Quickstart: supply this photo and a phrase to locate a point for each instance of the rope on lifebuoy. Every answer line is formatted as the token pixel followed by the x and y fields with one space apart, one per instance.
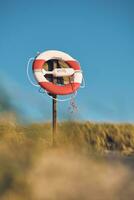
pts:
pixel 27 71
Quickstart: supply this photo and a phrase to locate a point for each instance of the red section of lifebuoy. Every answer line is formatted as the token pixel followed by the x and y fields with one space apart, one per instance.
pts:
pixel 73 64
pixel 38 64
pixel 60 90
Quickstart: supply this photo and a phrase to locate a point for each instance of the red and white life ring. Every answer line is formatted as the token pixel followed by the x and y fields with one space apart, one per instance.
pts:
pixel 49 86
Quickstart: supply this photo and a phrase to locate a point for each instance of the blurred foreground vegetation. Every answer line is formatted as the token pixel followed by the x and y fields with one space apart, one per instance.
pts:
pixel 77 168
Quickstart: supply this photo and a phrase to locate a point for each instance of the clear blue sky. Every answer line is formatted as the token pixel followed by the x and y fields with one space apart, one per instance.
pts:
pixel 99 33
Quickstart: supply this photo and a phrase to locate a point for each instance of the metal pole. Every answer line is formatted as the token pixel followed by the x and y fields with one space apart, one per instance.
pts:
pixel 54 110
pixel 52 65
pixel 54 119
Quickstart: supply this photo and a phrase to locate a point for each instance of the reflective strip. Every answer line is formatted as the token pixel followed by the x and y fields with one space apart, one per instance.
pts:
pixel 78 77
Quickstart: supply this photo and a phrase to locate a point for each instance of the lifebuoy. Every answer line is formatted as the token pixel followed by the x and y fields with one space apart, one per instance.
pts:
pixel 50 87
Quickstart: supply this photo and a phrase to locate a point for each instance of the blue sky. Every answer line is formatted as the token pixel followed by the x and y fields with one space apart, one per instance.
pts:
pixel 98 33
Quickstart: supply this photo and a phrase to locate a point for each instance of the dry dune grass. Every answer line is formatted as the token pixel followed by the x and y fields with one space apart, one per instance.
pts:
pixel 62 174
pixel 81 167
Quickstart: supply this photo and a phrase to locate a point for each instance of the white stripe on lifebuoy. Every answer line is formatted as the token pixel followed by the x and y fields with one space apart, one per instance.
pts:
pixel 39 76
pixel 53 54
